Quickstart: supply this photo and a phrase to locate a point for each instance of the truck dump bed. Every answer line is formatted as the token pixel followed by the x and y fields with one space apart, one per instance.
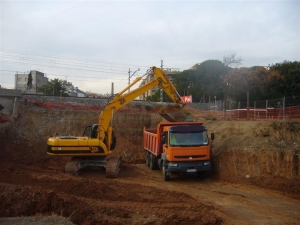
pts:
pixel 151 141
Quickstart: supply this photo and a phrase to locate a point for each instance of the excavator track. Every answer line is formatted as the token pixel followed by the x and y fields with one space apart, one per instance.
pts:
pixel 77 163
pixel 112 166
pixel 73 166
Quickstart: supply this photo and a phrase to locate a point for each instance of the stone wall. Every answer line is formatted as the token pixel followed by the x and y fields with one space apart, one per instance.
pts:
pixel 10 92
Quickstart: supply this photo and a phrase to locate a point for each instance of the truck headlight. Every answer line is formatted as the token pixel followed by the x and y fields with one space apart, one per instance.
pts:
pixel 172 164
pixel 207 163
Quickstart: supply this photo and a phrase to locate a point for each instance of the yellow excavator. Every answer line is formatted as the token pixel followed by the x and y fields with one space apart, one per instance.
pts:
pixel 98 141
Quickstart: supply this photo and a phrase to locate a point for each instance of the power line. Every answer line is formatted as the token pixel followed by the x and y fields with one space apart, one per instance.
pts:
pixel 76 69
pixel 54 63
pixel 70 63
pixel 61 75
pixel 82 79
pixel 64 75
pixel 125 76
pixel 58 62
pixel 72 58
pixel 57 65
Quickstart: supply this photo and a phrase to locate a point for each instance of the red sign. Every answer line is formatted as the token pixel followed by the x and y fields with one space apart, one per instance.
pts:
pixel 187 98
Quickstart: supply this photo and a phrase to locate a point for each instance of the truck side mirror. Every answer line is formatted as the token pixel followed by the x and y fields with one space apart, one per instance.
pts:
pixel 212 136
pixel 164 137
pixel 163 140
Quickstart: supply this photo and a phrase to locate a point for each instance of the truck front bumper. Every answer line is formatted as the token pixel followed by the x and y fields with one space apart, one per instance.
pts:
pixel 189 167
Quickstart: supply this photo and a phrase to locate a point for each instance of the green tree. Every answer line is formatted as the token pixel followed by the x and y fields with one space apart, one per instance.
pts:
pixel 184 81
pixel 211 72
pixel 54 87
pixel 156 97
pixel 254 80
pixel 286 81
pixel 203 83
pixel 29 82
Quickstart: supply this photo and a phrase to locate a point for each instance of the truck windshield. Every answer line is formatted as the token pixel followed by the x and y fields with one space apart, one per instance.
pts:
pixel 188 139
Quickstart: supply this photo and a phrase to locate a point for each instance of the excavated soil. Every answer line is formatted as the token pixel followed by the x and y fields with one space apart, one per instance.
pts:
pixel 255 177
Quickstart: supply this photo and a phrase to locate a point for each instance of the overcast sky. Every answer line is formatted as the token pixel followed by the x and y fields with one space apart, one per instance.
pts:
pixel 94 43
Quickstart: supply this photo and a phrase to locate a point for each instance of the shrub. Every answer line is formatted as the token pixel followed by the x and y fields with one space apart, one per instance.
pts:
pixel 148 107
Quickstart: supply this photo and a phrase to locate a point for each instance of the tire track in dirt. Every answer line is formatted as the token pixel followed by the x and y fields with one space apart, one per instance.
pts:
pixel 247 204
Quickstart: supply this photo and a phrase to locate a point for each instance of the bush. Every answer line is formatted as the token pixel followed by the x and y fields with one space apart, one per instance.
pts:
pixel 148 107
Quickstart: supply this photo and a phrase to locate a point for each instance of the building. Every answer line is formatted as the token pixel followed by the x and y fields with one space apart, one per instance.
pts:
pixel 150 76
pixel 72 90
pixel 38 80
pixel 80 94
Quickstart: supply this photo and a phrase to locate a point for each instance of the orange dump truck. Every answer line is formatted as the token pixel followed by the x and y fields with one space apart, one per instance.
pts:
pixel 178 147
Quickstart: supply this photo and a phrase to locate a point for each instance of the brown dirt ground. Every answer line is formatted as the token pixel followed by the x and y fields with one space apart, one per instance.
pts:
pixel 39 192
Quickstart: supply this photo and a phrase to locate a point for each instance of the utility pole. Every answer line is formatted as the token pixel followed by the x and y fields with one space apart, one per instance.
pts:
pixel 112 89
pixel 161 96
pixel 129 76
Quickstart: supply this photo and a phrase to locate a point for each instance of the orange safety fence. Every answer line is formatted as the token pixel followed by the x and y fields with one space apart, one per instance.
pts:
pixel 4 118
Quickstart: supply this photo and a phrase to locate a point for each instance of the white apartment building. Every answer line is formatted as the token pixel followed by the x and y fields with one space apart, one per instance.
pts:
pixel 38 80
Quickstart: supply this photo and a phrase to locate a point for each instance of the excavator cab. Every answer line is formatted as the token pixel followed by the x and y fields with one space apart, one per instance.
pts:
pixel 91 131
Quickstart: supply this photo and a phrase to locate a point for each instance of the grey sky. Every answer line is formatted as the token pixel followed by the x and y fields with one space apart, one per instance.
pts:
pixel 94 43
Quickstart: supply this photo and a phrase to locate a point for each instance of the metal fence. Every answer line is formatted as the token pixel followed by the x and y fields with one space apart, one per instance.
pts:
pixel 286 109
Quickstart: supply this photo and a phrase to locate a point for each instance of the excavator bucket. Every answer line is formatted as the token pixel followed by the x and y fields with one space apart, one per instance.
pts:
pixel 173 113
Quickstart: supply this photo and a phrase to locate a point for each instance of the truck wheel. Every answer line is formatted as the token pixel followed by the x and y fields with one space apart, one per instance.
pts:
pixel 147 157
pixel 165 176
pixel 153 164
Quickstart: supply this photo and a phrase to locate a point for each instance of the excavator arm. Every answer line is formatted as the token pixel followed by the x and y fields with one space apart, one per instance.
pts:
pixel 105 130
